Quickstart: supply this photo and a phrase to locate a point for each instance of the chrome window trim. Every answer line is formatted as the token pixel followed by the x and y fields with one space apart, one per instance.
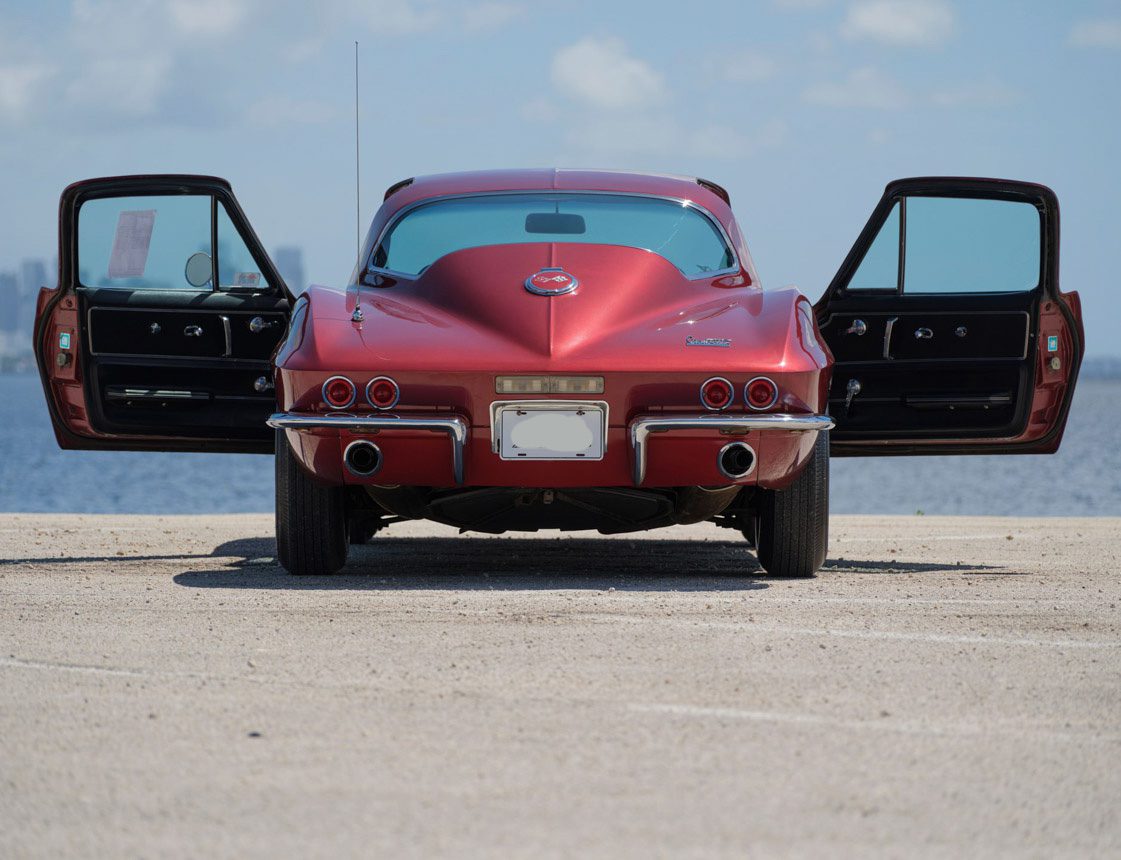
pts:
pixel 735 268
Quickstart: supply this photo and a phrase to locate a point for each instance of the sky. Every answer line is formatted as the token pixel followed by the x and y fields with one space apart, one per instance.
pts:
pixel 803 109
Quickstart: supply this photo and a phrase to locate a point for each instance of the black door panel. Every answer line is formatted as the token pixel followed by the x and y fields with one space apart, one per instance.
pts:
pixel 929 335
pixel 192 371
pixel 185 333
pixel 222 399
pixel 168 354
pixel 964 400
pixel 921 369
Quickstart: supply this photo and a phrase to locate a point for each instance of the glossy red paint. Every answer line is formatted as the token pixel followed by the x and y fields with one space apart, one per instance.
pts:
pixel 444 336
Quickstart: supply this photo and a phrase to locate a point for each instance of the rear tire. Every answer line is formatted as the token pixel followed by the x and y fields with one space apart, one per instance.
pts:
pixel 792 527
pixel 311 521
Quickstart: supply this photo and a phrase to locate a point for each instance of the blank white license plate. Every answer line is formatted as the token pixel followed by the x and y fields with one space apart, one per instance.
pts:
pixel 551 434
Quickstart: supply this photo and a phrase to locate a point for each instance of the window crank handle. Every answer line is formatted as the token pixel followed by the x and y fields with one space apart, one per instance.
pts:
pixel 851 390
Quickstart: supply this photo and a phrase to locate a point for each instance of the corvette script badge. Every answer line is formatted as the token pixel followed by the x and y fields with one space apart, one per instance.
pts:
pixel 551 282
pixel 708 341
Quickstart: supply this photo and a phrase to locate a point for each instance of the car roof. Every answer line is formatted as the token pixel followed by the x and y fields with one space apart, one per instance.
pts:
pixel 704 193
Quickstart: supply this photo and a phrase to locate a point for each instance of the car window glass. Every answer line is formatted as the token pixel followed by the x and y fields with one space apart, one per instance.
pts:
pixel 141 242
pixel 236 267
pixel 954 245
pixel 879 270
pixel 682 234
pixel 960 244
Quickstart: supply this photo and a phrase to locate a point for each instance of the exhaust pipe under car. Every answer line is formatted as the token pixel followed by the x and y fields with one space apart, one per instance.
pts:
pixel 736 460
pixel 362 458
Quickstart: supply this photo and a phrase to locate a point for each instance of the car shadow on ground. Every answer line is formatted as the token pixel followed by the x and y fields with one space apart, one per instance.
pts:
pixel 518 564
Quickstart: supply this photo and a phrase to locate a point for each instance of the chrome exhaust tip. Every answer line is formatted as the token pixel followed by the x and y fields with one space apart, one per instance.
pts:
pixel 736 460
pixel 362 458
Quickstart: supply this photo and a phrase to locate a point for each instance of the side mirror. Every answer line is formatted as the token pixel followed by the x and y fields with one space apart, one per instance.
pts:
pixel 199 270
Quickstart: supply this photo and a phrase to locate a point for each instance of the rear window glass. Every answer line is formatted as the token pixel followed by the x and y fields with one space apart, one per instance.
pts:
pixel 681 233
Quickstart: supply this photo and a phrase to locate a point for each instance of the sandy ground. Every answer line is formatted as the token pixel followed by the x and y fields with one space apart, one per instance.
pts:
pixel 946 687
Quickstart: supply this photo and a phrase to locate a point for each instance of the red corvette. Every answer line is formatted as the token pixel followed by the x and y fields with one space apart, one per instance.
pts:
pixel 557 349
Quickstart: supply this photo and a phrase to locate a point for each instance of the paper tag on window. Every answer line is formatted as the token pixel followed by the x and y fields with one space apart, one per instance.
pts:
pixel 130 245
pixel 247 279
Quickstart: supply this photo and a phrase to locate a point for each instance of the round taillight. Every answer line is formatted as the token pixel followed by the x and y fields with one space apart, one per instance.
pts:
pixel 716 393
pixel 760 393
pixel 339 392
pixel 382 393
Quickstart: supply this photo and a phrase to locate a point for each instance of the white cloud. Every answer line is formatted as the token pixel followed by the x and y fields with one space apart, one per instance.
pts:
pixel 491 16
pixel 863 88
pixel 18 87
pixel 207 17
pixel 1099 33
pixel 900 22
pixel 601 73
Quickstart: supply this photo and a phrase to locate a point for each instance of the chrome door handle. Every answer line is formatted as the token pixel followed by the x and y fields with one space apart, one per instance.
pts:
pixel 858 328
pixel 192 331
pixel 259 324
pixel 923 334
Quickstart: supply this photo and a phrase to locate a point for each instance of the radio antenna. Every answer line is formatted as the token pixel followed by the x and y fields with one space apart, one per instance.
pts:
pixel 357 168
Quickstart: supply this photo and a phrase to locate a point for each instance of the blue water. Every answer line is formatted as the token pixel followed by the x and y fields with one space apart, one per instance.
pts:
pixel 1083 479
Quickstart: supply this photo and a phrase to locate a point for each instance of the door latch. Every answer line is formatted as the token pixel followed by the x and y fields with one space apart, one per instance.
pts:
pixel 858 327
pixel 924 333
pixel 192 331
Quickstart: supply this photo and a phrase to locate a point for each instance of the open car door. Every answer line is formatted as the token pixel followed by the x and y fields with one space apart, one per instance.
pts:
pixel 947 326
pixel 161 331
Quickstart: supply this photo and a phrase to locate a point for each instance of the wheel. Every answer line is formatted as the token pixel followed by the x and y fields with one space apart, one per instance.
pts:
pixel 311 521
pixel 792 527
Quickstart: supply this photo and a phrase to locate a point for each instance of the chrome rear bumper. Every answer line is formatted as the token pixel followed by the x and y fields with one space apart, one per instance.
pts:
pixel 455 427
pixel 639 429
pixel 643 426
